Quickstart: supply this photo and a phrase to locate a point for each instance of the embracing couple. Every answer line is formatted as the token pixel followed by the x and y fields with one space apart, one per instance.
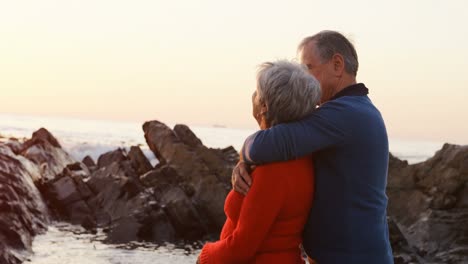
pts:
pixel 310 186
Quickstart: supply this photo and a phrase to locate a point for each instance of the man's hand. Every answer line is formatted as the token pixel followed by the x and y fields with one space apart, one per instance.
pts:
pixel 241 179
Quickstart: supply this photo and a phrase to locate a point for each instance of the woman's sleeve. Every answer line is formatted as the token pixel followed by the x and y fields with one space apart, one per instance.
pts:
pixel 232 199
pixel 227 230
pixel 259 210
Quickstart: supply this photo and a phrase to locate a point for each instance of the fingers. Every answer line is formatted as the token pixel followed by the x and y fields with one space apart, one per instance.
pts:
pixel 245 174
pixel 241 179
pixel 241 187
pixel 252 167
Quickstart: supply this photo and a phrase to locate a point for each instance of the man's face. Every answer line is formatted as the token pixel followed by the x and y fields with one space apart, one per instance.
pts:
pixel 322 71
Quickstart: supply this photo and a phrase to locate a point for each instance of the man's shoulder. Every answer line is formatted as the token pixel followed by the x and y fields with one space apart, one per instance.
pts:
pixel 348 113
pixel 349 101
pixel 341 106
pixel 348 106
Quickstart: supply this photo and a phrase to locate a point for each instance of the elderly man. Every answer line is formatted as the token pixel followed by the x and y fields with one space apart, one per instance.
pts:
pixel 348 139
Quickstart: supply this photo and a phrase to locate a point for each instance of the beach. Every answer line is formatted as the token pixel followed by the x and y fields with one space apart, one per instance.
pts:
pixel 80 138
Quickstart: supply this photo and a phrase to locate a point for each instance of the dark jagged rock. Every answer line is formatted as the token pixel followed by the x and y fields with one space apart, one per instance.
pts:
pixel 45 151
pixel 68 199
pixel 182 198
pixel 67 193
pixel 40 136
pixel 23 214
pixel 182 213
pixel 203 172
pixel 23 168
pixel 122 202
pixel 139 161
pixel 15 145
pixel 428 201
pixel 186 135
pixel 174 198
pixel 402 252
pixel 89 162
pixel 79 168
pixel 230 154
pixel 463 198
pixel 107 158
pixel 161 177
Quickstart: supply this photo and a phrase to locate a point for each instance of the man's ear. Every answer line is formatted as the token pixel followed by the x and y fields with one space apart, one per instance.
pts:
pixel 338 64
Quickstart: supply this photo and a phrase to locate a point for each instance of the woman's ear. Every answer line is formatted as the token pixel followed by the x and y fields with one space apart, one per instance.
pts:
pixel 263 109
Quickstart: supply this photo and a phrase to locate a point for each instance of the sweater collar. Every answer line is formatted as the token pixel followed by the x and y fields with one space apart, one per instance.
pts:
pixel 358 89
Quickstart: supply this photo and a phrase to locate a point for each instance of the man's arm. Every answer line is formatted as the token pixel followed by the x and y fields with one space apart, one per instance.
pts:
pixel 293 140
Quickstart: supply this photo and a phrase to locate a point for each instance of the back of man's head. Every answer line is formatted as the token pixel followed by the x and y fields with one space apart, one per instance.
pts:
pixel 329 43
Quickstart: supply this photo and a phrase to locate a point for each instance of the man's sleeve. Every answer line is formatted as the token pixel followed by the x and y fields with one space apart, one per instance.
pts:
pixel 292 140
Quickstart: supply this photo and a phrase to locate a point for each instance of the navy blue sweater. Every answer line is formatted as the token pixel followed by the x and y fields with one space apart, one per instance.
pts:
pixel 347 135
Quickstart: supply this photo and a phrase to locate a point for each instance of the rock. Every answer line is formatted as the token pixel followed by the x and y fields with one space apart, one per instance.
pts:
pixel 428 202
pixel 161 177
pixel 407 206
pixel 79 213
pixel 230 154
pixel 131 210
pixel 65 191
pixel 107 158
pixel 402 251
pixel 175 202
pixel 182 198
pixel 139 161
pixel 124 230
pixel 23 213
pixel 41 136
pixel 15 145
pixel 45 151
pixel 67 194
pixel 186 135
pixel 157 228
pixel 463 197
pixel 439 233
pixel 78 166
pixel 182 214
pixel 88 161
pixel 446 170
pixel 82 187
pixel 32 168
pixel 203 172
pixel 89 223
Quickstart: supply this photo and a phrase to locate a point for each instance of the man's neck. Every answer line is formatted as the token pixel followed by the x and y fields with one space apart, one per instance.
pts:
pixel 346 81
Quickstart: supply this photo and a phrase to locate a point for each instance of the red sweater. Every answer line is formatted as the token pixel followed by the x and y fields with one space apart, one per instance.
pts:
pixel 266 225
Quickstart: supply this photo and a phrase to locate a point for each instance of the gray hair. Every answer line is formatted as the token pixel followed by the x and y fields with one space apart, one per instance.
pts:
pixel 288 90
pixel 329 43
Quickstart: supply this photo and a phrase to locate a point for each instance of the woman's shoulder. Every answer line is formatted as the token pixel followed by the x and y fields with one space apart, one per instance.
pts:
pixel 304 164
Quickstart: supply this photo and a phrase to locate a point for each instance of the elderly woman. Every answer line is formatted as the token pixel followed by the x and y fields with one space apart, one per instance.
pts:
pixel 266 225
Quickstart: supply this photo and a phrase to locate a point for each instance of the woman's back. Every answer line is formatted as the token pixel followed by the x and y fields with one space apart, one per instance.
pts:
pixel 266 225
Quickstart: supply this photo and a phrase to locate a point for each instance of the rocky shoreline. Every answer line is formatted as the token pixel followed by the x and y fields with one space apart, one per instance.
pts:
pixel 428 201
pixel 182 197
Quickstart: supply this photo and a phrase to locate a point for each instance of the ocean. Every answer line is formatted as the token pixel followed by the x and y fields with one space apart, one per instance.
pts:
pixel 82 137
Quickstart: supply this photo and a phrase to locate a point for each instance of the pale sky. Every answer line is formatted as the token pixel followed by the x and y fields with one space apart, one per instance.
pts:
pixel 194 62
